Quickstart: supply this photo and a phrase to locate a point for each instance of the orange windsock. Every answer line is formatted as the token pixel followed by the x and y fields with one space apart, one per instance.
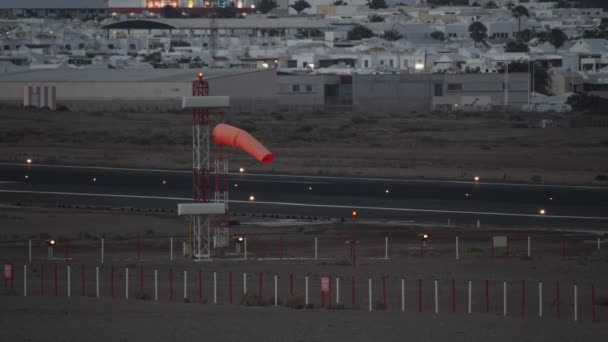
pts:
pixel 231 136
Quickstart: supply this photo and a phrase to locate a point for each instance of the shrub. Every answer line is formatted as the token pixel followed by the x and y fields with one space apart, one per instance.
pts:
pixel 252 300
pixel 295 302
pixel 8 292
pixel 601 178
pixel 474 252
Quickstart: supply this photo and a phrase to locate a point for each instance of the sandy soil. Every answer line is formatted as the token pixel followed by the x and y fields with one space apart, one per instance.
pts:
pixel 448 146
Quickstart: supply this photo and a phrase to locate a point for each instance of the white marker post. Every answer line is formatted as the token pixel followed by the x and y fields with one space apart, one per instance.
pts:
pixel 337 290
pixel 529 246
pixel 102 250
pixel 156 285
pixel 69 281
pixel 316 248
pixel 97 281
pixel 470 299
pixel 478 224
pixel 171 248
pixel 214 287
pixel 126 283
pixel 306 290
pixel 276 299
pixel 245 248
pixel 575 302
pixel 599 243
pixel 457 250
pixel 402 295
pixel 244 283
pixel 504 298
pixel 540 299
pixel 185 284
pixel 369 284
pixel 30 250
pixel 386 248
pixel 24 280
pixel 436 297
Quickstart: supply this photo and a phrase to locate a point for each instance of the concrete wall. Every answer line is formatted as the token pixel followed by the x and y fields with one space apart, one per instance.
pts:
pixel 393 93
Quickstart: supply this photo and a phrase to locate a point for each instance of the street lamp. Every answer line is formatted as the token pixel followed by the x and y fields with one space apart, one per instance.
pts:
pixel 241 169
pixel 476 178
pixel 542 212
pixel 251 198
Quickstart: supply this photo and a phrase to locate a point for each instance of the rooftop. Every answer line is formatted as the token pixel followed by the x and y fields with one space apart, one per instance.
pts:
pixel 205 23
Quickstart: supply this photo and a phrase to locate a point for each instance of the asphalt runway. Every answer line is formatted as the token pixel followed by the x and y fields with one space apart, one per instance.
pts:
pixel 506 205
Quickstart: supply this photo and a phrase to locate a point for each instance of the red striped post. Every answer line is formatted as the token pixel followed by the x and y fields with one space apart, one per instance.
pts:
pixel 12 276
pixel 200 286
pixel 353 289
pixel 329 293
pixel 384 293
pixel 453 296
pixel 170 284
pixel 55 275
pixel 82 280
pixel 487 296
pixel 141 279
pixel 261 286
pixel 291 284
pixel 593 303
pixel 419 295
pixel 230 286
pixel 557 299
pixel 42 280
pixel 523 298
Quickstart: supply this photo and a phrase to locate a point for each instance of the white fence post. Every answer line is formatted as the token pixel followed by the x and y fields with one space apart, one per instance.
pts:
pixel 185 284
pixel 386 248
pixel 504 298
pixel 337 290
pixel 30 250
pixel 529 246
pixel 276 299
pixel 24 280
pixel 369 284
pixel 316 248
pixel 470 299
pixel 402 295
pixel 540 299
pixel 102 250
pixel 155 285
pixel 245 248
pixel 244 283
pixel 214 287
pixel 69 281
pixel 126 283
pixel 575 302
pixel 436 297
pixel 599 243
pixel 306 290
pixel 478 224
pixel 457 250
pixel 171 248
pixel 97 281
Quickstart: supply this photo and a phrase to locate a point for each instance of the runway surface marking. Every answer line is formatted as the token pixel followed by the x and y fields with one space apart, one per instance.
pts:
pixel 396 180
pixel 335 206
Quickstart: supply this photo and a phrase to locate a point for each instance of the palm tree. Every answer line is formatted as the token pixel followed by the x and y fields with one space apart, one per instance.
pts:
pixel 478 32
pixel 392 35
pixel 339 3
pixel 557 38
pixel 265 6
pixel 518 12
pixel 300 5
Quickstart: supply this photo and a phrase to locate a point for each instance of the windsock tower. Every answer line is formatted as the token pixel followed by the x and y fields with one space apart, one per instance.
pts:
pixel 200 213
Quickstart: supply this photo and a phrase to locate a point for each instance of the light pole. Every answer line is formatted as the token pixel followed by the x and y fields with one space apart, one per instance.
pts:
pixel 352 239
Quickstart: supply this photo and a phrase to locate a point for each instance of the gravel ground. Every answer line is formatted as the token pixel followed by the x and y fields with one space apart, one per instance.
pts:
pixel 49 319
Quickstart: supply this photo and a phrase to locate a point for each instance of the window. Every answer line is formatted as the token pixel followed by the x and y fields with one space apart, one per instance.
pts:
pixel 292 64
pixel 295 88
pixel 438 89
pixel 309 88
pixel 454 86
pixel 366 63
pixel 382 62
pixel 390 62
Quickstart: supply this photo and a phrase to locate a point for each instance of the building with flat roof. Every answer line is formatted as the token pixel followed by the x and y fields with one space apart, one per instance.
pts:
pixel 55 8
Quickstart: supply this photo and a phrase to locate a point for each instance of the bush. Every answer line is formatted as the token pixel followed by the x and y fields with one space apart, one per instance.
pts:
pixel 474 252
pixel 295 302
pixel 601 178
pixel 252 300
pixel 603 301
pixel 141 295
pixel 8 292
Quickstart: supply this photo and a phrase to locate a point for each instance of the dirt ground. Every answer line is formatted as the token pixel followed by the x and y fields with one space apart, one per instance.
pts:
pixel 499 146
